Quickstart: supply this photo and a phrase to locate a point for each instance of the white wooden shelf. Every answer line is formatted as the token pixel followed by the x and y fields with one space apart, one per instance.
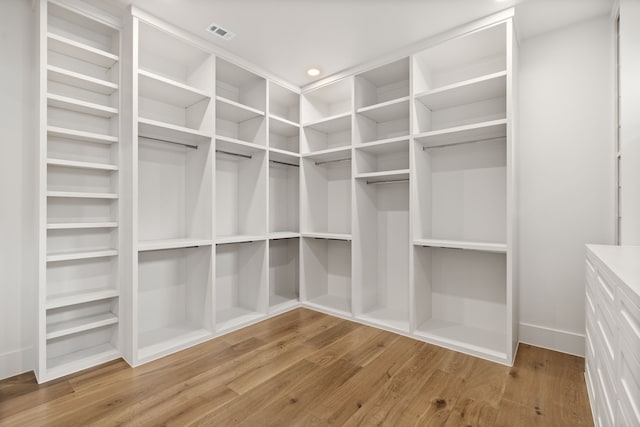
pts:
pixel 81 195
pixel 331 304
pixel 462 134
pixel 387 111
pixel 168 91
pixel 384 146
pixel 459 336
pixel 235 316
pixel 243 238
pixel 74 326
pixel 330 154
pixel 237 146
pixel 80 51
pixel 328 236
pixel 388 318
pixel 283 235
pixel 284 155
pixel 155 245
pixel 72 298
pixel 71 78
pixel 158 342
pixel 279 303
pixel 79 360
pixel 81 165
pixel 72 104
pixel 71 256
pixel 80 225
pixel 234 111
pixel 282 126
pixel 392 175
pixel 153 129
pixel 333 124
pixel 474 90
pixel 457 244
pixel 81 135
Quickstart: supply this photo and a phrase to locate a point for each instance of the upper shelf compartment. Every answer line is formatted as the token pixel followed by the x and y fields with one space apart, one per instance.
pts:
pixel 326 103
pixel 76 35
pixel 175 87
pixel 474 55
pixel 284 118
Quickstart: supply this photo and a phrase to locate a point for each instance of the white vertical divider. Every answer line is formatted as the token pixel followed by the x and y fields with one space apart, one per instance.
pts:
pixel 412 200
pixel 356 258
pixel 212 158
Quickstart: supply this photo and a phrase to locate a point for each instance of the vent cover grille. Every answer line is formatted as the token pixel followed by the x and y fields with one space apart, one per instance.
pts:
pixel 221 32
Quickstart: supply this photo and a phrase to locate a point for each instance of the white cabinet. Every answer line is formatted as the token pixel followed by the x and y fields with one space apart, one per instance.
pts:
pixel 612 367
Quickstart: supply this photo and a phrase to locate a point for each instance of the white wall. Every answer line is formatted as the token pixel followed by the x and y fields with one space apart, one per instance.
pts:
pixel 566 176
pixel 630 121
pixel 18 153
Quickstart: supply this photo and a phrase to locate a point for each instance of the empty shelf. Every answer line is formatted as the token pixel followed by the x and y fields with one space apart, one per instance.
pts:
pixel 72 298
pixel 387 111
pixel 80 225
pixel 81 165
pixel 235 316
pixel 283 235
pixel 162 340
pixel 81 195
pixel 328 236
pixel 79 106
pixel 81 135
pixel 385 146
pixel 74 326
pixel 154 129
pixel 461 134
pixel 243 238
pixel 388 317
pixel 457 244
pixel 332 303
pixel 234 111
pixel 155 245
pixel 80 51
pixel 333 124
pixel 330 155
pixel 165 90
pixel 237 146
pixel 71 78
pixel 467 92
pixel 78 360
pixel 385 176
pixel 283 127
pixel 70 256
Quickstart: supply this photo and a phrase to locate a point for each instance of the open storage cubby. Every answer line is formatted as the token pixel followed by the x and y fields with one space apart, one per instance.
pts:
pixel 381 252
pixel 284 119
pixel 175 86
pixel 284 273
pixel 326 275
pixel 284 190
pixel 241 102
pixel 326 117
pixel 174 300
pixel 175 191
pixel 382 102
pixel 326 195
pixel 241 284
pixel 241 191
pixel 380 158
pixel 461 195
pixel 461 300
pixel 460 86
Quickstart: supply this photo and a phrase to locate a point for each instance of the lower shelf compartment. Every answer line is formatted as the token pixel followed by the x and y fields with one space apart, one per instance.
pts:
pixel 482 341
pixel 235 316
pixel 388 318
pixel 282 301
pixel 169 338
pixel 332 303
pixel 81 359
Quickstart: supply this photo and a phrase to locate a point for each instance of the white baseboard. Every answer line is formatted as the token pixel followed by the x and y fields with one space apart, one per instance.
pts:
pixel 16 362
pixel 553 339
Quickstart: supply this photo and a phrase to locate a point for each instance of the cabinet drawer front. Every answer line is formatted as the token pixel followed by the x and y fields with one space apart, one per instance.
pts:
pixel 629 319
pixel 629 378
pixel 607 397
pixel 606 289
pixel 626 416
pixel 590 303
pixel 590 354
pixel 589 268
pixel 605 337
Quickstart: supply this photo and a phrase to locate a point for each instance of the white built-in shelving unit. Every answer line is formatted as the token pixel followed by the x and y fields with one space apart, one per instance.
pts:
pixel 79 308
pixel 184 196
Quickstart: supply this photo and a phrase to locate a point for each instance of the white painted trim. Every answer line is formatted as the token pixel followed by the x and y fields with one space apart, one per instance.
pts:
pixel 408 50
pixel 552 339
pixel 16 362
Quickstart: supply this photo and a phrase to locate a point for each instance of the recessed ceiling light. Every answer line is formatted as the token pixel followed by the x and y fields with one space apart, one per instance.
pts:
pixel 313 72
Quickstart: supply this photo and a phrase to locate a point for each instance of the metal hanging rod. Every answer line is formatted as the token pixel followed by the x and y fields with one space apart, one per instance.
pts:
pixel 388 181
pixel 195 147
pixel 332 161
pixel 284 163
pixel 245 156
pixel 498 138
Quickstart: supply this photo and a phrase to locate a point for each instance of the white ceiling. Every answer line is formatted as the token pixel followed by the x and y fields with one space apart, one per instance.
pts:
pixel 285 37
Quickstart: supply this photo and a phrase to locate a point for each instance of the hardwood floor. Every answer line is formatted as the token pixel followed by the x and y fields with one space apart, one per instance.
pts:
pixel 307 368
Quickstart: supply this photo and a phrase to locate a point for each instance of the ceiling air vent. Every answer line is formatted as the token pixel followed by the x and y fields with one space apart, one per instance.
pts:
pixel 220 32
